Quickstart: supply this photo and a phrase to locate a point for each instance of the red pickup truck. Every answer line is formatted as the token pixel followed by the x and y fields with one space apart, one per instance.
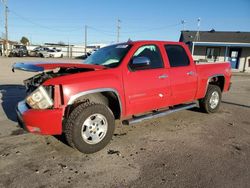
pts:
pixel 131 81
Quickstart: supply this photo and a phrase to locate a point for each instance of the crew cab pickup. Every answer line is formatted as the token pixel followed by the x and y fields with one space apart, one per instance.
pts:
pixel 131 81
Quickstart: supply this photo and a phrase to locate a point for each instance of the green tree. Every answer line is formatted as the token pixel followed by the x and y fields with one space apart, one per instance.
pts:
pixel 24 40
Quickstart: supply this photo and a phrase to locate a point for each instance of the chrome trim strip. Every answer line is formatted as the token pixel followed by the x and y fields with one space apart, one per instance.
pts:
pixel 209 80
pixel 163 76
pixel 159 114
pixel 74 97
pixel 191 73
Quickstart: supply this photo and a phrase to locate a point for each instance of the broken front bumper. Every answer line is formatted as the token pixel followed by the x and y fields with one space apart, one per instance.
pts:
pixel 47 122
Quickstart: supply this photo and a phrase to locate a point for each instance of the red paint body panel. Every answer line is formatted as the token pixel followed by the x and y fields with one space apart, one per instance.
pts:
pixel 49 66
pixel 48 121
pixel 208 70
pixel 183 85
pixel 139 91
pixel 142 98
pixel 76 83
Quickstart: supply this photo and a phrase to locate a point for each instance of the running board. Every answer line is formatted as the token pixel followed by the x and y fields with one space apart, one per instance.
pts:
pixel 159 113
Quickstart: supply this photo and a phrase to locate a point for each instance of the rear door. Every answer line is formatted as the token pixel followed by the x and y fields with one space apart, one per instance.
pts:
pixel 182 73
pixel 146 89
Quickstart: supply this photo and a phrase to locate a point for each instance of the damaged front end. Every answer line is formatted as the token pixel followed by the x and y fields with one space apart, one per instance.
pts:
pixel 41 111
pixel 40 96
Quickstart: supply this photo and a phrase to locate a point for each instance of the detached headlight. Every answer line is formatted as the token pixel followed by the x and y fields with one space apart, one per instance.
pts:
pixel 39 99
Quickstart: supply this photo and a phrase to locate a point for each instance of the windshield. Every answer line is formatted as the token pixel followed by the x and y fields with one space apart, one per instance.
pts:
pixel 110 56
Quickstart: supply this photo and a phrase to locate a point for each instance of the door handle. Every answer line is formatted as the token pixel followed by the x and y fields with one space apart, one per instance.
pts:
pixel 190 73
pixel 163 76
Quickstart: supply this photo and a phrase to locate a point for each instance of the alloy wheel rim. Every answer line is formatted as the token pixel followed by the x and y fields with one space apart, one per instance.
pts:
pixel 94 128
pixel 214 100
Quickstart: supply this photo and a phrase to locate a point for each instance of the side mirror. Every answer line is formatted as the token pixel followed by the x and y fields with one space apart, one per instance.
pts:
pixel 140 63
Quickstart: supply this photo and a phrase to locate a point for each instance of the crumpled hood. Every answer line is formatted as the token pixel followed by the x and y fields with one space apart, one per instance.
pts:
pixel 42 66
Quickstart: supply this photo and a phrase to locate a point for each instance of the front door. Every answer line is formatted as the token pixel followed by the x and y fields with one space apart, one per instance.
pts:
pixel 146 88
pixel 234 57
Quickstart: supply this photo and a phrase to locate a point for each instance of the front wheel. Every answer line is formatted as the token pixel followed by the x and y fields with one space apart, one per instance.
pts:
pixel 90 127
pixel 211 102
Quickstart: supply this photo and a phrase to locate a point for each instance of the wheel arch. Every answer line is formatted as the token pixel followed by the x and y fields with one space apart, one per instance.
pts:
pixel 107 96
pixel 217 79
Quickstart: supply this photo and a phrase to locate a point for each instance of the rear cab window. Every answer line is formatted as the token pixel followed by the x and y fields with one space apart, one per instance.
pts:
pixel 177 56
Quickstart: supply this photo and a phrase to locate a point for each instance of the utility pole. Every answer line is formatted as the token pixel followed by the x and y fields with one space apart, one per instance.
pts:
pixel 6 45
pixel 183 22
pixel 118 30
pixel 85 43
pixel 197 36
pixel 68 49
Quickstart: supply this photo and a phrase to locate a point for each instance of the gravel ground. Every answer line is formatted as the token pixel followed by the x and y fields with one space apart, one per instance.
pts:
pixel 185 149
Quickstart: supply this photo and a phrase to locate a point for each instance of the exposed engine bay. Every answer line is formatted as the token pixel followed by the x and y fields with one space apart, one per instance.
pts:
pixel 34 82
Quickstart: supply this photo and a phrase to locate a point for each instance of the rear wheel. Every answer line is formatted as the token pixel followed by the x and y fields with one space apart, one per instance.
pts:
pixel 211 102
pixel 90 127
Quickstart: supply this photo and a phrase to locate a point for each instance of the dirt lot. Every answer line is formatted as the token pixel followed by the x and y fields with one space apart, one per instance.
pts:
pixel 185 149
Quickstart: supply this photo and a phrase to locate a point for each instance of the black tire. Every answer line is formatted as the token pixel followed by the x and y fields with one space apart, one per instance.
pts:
pixel 205 104
pixel 41 55
pixel 61 55
pixel 20 54
pixel 75 122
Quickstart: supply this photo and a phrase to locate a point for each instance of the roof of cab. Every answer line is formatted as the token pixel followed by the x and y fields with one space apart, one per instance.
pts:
pixel 152 42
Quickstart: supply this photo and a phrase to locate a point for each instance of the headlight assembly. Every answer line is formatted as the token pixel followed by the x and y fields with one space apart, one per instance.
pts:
pixel 39 99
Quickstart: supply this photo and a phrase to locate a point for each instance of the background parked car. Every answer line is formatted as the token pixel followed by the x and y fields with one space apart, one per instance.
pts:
pixel 87 55
pixel 18 51
pixel 55 53
pixel 40 52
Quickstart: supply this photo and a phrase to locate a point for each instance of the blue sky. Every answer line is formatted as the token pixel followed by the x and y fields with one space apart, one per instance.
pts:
pixel 63 20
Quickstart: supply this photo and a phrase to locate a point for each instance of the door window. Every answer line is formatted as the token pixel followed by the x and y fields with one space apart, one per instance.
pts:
pixel 177 56
pixel 152 53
